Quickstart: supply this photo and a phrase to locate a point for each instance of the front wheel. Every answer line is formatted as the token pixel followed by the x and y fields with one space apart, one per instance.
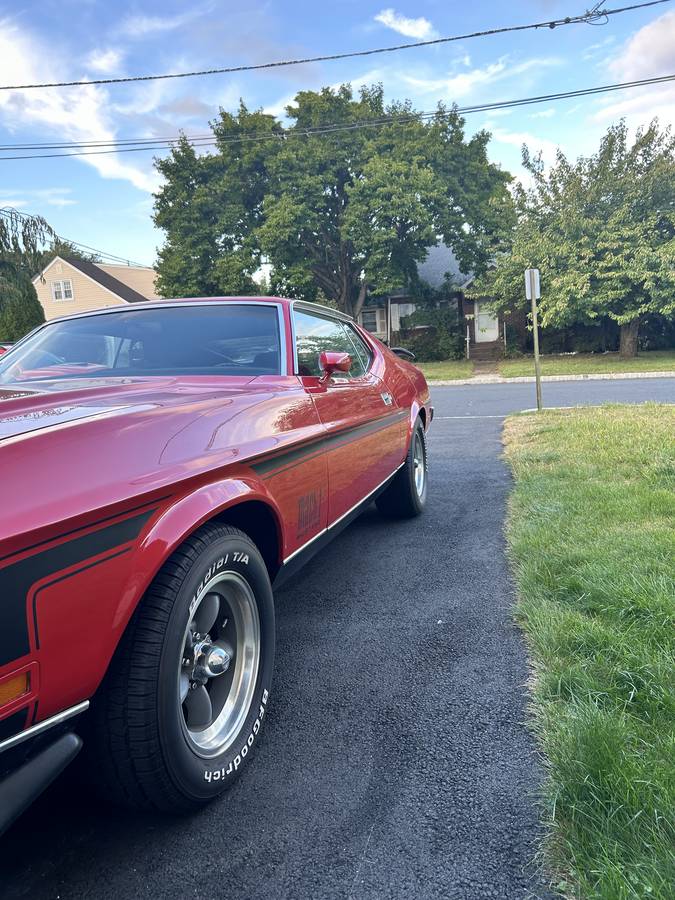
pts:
pixel 188 689
pixel 406 496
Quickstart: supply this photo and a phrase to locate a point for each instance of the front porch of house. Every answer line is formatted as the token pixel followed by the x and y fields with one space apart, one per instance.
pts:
pixel 485 332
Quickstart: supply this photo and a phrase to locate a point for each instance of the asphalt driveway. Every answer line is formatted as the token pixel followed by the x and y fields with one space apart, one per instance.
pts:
pixel 395 762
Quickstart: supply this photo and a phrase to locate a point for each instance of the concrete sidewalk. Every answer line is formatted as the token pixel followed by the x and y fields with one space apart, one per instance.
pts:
pixel 529 379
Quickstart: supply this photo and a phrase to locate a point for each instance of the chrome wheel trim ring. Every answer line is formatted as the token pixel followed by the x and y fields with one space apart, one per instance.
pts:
pixel 238 601
pixel 419 465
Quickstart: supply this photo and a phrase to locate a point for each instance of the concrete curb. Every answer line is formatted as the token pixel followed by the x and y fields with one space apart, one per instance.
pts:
pixel 529 379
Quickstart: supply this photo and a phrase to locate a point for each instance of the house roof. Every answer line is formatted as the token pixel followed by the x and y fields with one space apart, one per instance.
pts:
pixel 139 278
pixel 439 262
pixel 106 280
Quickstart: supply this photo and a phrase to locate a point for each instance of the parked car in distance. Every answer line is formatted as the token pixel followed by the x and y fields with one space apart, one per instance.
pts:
pixel 163 467
pixel 4 348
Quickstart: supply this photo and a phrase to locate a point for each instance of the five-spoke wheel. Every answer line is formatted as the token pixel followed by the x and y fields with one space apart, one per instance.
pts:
pixel 219 663
pixel 188 689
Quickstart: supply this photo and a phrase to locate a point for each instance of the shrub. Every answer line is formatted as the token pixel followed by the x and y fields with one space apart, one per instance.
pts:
pixel 439 337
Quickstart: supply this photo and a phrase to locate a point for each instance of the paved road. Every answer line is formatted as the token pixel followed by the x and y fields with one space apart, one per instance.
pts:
pixel 394 763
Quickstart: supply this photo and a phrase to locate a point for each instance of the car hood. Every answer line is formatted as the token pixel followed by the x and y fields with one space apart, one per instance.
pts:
pixel 29 407
pixel 76 445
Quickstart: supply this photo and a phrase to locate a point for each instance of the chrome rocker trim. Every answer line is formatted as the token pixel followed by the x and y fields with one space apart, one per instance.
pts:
pixel 34 730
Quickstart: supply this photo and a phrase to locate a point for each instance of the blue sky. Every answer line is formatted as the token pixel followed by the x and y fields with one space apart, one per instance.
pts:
pixel 106 201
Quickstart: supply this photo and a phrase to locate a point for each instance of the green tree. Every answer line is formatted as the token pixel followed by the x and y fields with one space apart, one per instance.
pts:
pixel 602 232
pixel 336 214
pixel 22 242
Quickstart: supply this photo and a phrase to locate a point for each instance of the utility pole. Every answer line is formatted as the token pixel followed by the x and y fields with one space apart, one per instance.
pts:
pixel 533 293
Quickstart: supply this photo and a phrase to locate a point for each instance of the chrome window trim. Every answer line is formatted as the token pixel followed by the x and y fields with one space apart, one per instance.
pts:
pixel 320 310
pixel 34 730
pixel 325 312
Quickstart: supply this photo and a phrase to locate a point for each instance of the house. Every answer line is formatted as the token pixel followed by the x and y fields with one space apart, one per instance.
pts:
pixel 69 285
pixel 484 331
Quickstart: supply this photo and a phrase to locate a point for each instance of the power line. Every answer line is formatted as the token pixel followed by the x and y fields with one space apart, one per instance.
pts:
pixel 335 127
pixel 43 145
pixel 8 213
pixel 591 17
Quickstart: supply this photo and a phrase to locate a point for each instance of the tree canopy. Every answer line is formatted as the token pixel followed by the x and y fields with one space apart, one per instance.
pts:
pixel 22 242
pixel 335 214
pixel 602 232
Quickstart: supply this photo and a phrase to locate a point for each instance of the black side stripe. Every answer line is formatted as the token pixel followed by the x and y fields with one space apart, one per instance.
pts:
pixel 64 578
pixel 17 578
pixel 293 457
pixel 335 441
pixel 64 534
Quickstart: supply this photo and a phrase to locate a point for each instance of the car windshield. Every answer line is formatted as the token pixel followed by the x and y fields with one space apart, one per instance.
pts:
pixel 218 339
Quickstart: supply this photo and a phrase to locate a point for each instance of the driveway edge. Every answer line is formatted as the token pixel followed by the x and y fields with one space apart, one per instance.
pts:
pixel 529 379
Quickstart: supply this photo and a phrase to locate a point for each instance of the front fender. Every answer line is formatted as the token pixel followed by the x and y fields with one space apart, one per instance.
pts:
pixel 176 522
pixel 82 618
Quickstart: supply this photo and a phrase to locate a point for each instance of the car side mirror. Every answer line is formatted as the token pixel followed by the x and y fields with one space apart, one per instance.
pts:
pixel 331 361
pixel 403 353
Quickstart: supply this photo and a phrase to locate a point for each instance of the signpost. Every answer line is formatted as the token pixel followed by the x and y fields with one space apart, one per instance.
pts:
pixel 533 293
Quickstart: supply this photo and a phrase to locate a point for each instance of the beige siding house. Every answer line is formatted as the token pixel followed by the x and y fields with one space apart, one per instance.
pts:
pixel 69 285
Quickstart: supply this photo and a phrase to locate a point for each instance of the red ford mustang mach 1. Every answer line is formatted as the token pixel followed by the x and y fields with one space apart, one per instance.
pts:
pixel 161 467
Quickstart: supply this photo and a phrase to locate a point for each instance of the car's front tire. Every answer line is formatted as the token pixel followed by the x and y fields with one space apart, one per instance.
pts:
pixel 406 496
pixel 184 699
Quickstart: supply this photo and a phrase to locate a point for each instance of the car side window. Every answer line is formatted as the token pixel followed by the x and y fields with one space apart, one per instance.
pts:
pixel 313 334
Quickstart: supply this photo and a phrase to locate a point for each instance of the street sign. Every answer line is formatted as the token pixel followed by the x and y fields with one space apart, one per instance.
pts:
pixel 533 293
pixel 532 277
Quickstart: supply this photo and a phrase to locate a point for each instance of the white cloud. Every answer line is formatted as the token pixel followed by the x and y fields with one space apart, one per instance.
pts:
pixel 12 202
pixel 455 87
pixel 543 114
pixel 147 96
pixel 278 108
pixel 595 50
pixel 641 106
pixel 140 26
pixel 649 52
pixel 421 28
pixel 54 196
pixel 534 143
pixel 104 61
pixel 74 114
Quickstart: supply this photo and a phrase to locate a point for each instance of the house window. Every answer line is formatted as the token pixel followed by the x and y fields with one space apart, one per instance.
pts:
pixel 374 320
pixel 62 290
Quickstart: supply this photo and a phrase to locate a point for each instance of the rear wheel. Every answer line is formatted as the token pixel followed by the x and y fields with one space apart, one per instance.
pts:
pixel 406 496
pixel 186 694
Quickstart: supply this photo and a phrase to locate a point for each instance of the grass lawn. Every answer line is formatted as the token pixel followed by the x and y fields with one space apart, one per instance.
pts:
pixel 591 534
pixel 447 370
pixel 590 364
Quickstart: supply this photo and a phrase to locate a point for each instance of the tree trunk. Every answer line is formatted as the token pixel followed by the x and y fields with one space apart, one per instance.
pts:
pixel 360 300
pixel 344 302
pixel 628 341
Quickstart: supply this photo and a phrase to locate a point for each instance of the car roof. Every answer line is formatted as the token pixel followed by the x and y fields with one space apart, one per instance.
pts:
pixel 185 301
